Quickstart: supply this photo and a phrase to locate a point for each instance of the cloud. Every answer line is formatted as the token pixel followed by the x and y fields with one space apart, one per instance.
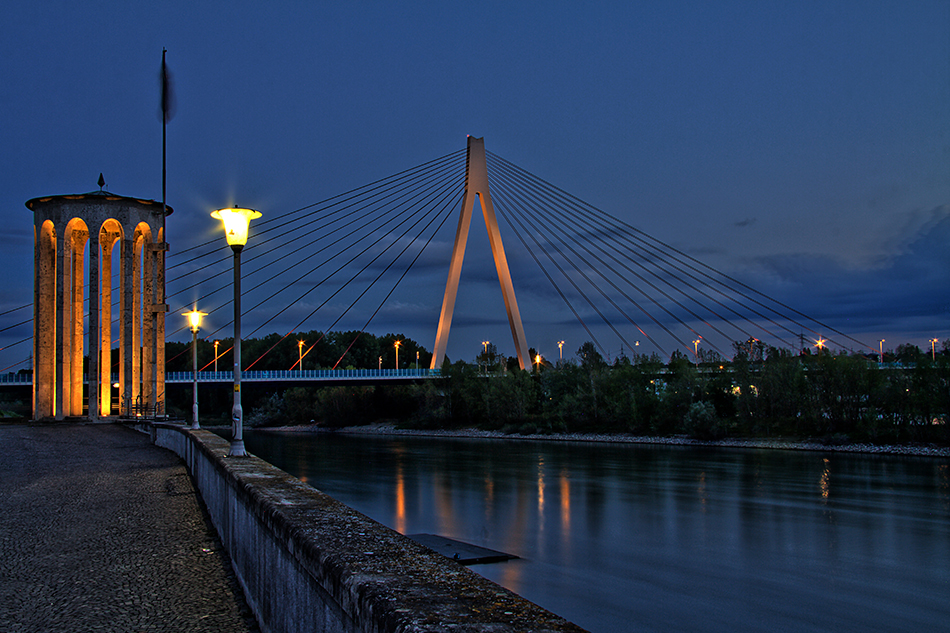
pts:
pixel 909 284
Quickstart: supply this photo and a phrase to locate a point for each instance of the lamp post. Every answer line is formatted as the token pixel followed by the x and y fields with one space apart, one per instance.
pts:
pixel 300 355
pixel 194 322
pixel 417 360
pixel 820 343
pixel 236 223
pixel 537 360
pixel 696 347
pixel 560 352
pixel 397 344
pixel 933 349
pixel 380 363
pixel 216 343
pixel 882 350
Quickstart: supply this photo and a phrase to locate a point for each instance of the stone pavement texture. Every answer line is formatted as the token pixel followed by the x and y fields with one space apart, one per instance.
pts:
pixel 102 531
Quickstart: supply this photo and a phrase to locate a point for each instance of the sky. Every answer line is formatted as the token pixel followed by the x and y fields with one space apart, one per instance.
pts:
pixel 803 147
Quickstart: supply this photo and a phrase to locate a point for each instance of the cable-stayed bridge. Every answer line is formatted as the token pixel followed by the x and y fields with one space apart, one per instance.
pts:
pixel 351 261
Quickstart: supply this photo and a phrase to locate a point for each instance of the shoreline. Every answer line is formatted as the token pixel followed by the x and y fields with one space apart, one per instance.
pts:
pixel 625 438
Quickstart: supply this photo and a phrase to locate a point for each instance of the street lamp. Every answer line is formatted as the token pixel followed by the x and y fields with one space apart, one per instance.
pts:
pixel 417 360
pixel 236 223
pixel 380 363
pixel 485 345
pixel 537 360
pixel 933 349
pixel 194 322
pixel 882 350
pixel 216 343
pixel 696 346
pixel 397 344
pixel 820 343
pixel 560 352
pixel 300 354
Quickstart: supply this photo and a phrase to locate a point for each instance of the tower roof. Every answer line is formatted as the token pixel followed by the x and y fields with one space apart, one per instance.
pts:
pixel 95 195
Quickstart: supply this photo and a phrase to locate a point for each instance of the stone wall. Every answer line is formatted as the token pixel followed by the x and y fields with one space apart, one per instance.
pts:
pixel 309 563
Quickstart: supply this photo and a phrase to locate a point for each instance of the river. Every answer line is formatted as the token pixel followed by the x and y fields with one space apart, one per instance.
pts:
pixel 626 537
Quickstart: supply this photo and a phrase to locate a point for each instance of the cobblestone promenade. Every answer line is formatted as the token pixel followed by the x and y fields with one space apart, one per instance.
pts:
pixel 101 531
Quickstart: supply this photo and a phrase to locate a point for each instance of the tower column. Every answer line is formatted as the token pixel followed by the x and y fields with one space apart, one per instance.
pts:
pixel 95 339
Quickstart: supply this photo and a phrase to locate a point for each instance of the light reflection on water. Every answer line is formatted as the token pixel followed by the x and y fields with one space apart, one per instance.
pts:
pixel 657 538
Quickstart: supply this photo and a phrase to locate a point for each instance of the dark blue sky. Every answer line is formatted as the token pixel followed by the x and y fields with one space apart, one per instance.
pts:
pixel 803 147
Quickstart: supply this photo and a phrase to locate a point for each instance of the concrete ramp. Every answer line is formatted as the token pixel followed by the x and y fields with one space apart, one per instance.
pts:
pixel 465 553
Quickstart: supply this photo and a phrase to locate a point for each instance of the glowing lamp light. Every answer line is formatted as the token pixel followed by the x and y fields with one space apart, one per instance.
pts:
pixel 236 223
pixel 194 319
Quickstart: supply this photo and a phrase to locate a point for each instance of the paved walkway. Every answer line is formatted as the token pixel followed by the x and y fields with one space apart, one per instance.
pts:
pixel 101 531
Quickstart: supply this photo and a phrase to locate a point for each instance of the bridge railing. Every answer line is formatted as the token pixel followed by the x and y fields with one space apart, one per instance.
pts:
pixel 304 375
pixel 16 379
pixel 268 375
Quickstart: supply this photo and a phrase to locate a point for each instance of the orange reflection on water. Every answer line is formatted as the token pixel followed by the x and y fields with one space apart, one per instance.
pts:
pixel 565 504
pixel 541 485
pixel 701 490
pixel 825 479
pixel 400 501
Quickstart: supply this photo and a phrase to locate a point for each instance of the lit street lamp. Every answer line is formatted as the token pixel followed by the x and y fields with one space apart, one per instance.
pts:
pixel 933 349
pixel 236 223
pixel 560 352
pixel 397 344
pixel 417 360
pixel 820 343
pixel 537 360
pixel 696 346
pixel 194 322
pixel 882 350
pixel 216 343
pixel 380 363
pixel 300 354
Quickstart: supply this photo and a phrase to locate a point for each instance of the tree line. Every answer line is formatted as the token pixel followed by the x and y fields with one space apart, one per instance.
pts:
pixel 763 391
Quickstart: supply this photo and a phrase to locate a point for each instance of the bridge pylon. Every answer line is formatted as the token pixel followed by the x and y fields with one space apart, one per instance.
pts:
pixel 476 184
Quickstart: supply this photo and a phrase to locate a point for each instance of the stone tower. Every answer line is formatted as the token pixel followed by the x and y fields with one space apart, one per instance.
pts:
pixel 62 228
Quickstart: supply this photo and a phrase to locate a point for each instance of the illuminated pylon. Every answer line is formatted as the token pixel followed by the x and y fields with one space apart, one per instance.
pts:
pixel 476 184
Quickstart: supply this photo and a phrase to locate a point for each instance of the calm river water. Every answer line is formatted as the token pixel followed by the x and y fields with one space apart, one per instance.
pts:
pixel 618 537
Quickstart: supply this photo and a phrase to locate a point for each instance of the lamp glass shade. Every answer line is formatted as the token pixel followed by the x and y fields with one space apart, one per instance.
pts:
pixel 194 319
pixel 236 223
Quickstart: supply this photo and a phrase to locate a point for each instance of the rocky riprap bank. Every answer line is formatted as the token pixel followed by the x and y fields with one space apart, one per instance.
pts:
pixel 883 449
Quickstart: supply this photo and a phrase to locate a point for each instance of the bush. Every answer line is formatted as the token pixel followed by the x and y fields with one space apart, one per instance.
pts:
pixel 702 423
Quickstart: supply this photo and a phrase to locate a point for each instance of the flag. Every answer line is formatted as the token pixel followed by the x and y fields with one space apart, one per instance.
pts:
pixel 168 96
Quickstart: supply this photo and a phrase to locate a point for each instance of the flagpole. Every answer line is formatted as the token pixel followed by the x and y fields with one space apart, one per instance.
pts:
pixel 163 245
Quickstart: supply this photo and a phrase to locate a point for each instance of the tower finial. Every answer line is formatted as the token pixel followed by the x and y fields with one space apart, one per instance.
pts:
pixel 102 182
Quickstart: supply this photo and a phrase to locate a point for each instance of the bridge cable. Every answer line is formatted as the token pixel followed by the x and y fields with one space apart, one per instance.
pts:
pixel 585 244
pixel 520 218
pixel 625 230
pixel 539 213
pixel 367 265
pixel 315 231
pixel 366 224
pixel 573 221
pixel 445 217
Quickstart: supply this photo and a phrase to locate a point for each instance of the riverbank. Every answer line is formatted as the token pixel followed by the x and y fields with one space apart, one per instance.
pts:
pixel 391 429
